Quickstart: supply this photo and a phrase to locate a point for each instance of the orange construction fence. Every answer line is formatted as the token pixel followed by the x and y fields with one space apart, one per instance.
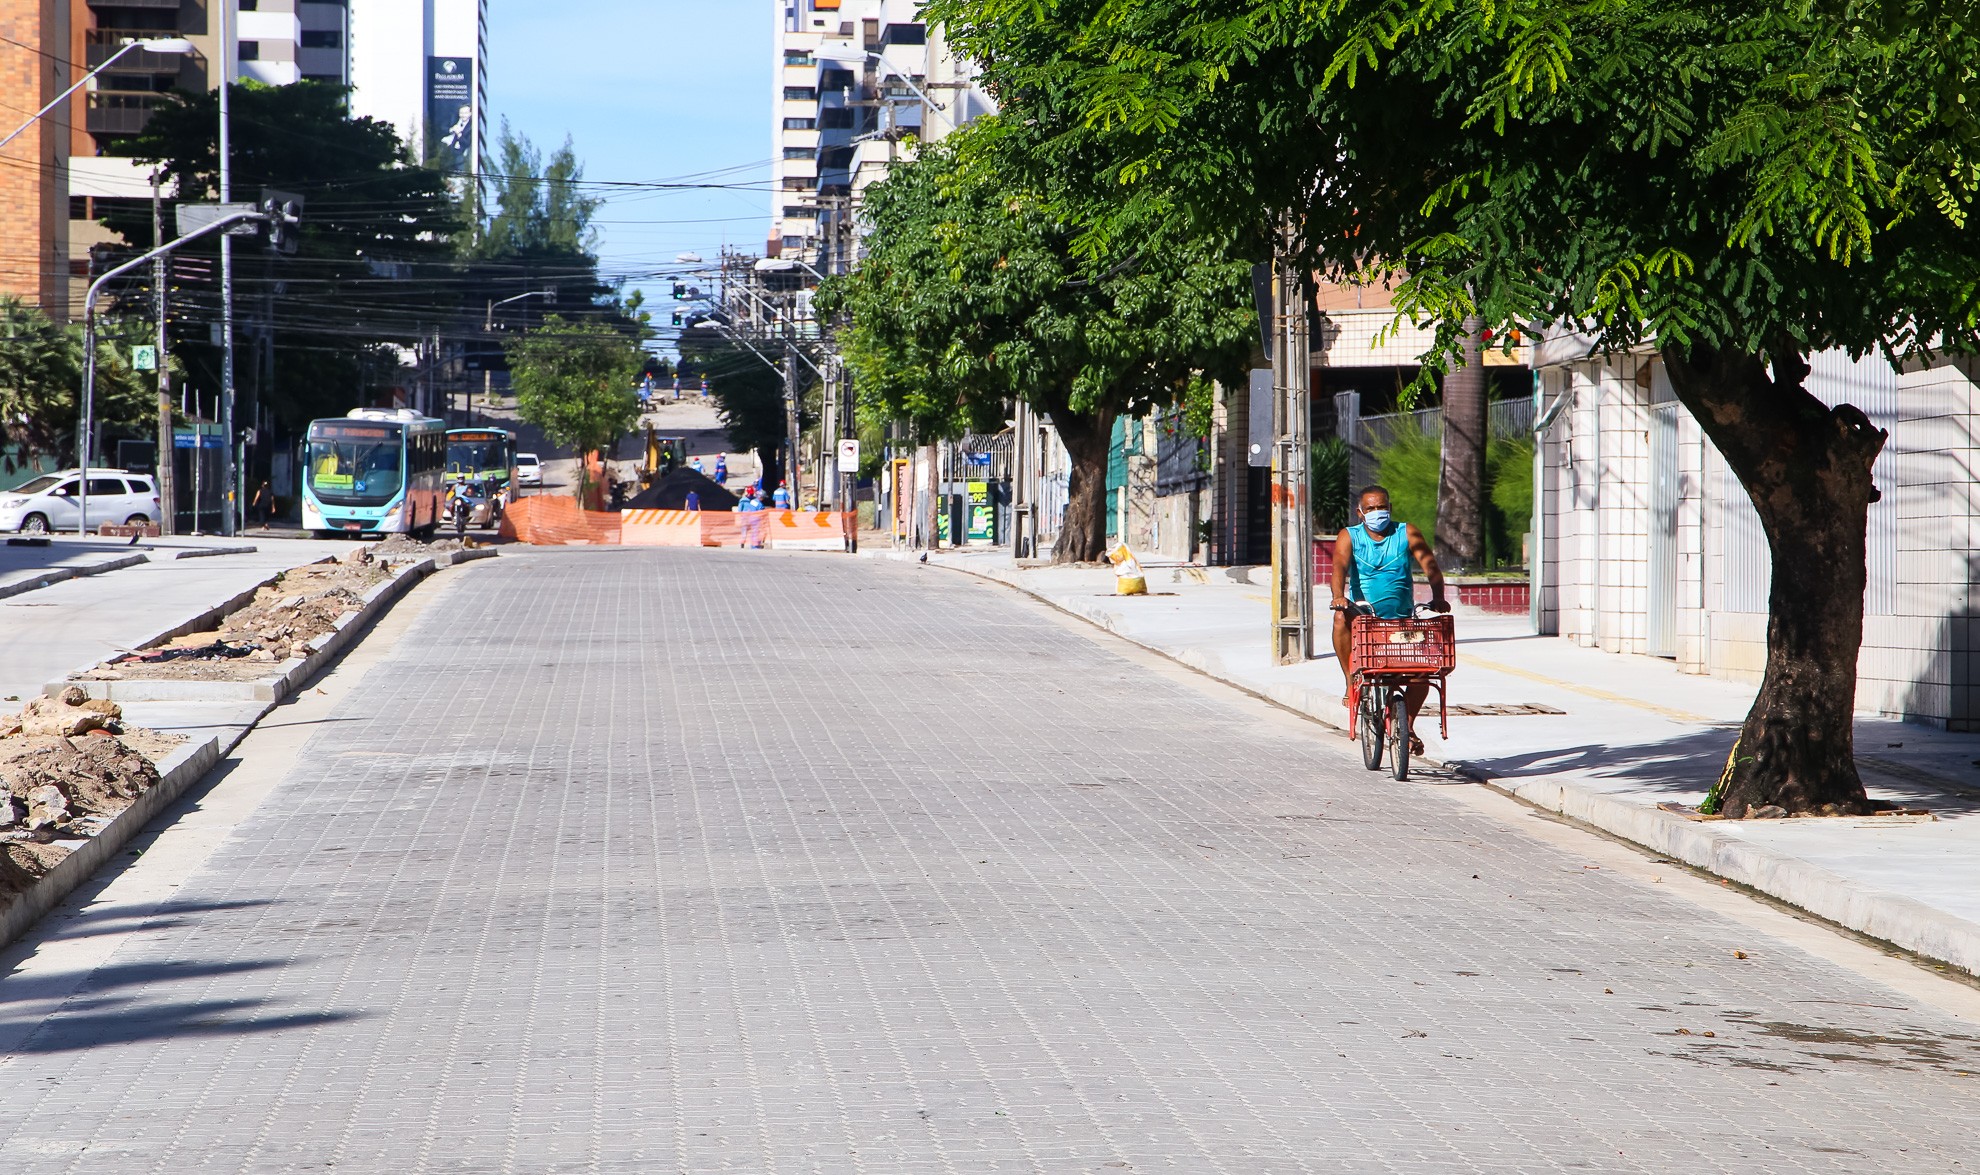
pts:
pixel 548 520
pixel 553 520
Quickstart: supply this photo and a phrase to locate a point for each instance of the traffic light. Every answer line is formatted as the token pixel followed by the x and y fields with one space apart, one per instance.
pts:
pixel 680 292
pixel 284 212
pixel 678 318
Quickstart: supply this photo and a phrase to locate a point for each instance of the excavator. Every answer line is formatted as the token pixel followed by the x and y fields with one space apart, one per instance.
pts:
pixel 663 456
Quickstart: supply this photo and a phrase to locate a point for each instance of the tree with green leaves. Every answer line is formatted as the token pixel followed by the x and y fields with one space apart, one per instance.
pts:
pixel 574 380
pixel 972 296
pixel 376 235
pixel 41 378
pixel 538 238
pixel 1739 185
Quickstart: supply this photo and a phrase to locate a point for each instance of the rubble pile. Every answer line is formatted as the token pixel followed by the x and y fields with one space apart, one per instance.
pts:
pixel 68 766
pixel 404 546
pixel 286 619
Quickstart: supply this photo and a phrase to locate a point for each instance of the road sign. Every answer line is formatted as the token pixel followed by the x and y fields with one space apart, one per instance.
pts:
pixel 849 456
pixel 144 358
pixel 193 217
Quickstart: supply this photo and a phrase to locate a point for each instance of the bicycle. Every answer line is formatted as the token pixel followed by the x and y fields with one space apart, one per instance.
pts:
pixel 1389 656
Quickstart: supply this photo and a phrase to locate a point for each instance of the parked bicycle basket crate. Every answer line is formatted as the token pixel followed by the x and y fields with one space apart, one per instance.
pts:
pixel 1404 646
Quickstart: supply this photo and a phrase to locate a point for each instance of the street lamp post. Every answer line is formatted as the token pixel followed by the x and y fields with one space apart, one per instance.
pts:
pixel 173 46
pixel 488 328
pixel 229 475
pixel 87 424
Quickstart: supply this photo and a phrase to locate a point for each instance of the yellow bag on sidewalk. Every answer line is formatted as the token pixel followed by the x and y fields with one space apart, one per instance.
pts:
pixel 1128 578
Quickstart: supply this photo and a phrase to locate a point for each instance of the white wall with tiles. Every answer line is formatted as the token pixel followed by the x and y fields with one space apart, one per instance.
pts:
pixel 1921 647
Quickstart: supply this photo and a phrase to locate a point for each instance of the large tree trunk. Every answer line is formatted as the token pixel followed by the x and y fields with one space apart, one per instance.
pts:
pixel 1087 437
pixel 1807 468
pixel 1461 485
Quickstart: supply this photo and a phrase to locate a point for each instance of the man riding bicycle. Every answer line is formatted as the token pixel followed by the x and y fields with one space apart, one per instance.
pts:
pixel 1372 565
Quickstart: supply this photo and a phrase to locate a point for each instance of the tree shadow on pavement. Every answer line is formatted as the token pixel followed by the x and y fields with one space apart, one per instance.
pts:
pixel 1687 763
pixel 144 1021
pixel 98 988
pixel 1684 767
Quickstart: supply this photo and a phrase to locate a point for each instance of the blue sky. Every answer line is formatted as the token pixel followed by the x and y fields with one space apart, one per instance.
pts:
pixel 647 90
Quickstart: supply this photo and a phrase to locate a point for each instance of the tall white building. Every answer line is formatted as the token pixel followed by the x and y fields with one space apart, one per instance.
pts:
pixel 856 79
pixel 422 65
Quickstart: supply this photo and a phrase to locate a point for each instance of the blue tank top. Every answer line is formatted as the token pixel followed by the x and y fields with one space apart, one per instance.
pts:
pixel 1380 574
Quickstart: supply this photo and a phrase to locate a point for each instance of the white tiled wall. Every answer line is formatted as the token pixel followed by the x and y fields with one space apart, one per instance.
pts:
pixel 1921 647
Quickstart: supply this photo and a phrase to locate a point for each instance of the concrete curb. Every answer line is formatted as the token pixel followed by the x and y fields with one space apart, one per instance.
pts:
pixel 1892 918
pixel 178 772
pixel 63 574
pixel 187 765
pixel 210 552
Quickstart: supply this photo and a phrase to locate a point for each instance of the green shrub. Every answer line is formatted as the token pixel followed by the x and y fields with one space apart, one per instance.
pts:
pixel 1329 488
pixel 1509 470
pixel 1409 466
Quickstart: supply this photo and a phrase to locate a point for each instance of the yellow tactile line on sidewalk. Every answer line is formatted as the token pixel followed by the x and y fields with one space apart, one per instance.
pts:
pixel 1466 658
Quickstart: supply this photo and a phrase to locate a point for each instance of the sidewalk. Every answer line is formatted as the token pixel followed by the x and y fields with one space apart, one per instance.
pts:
pixel 1632 733
pixel 51 631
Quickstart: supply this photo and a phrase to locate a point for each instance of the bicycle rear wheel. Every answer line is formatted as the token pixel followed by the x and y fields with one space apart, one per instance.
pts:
pixel 1399 734
pixel 1371 720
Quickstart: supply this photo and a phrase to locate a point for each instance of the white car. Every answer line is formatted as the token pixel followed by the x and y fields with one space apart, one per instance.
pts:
pixel 53 501
pixel 529 470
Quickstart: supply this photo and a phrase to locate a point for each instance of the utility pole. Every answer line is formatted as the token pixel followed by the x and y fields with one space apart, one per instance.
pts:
pixel 168 475
pixel 229 475
pixel 791 410
pixel 1292 519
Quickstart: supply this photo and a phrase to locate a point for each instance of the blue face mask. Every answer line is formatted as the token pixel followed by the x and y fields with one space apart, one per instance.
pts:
pixel 1376 520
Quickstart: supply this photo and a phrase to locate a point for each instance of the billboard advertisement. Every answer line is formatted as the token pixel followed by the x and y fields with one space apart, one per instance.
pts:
pixel 450 112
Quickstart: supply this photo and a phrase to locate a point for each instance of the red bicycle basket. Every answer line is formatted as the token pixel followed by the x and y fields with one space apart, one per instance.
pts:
pixel 1405 646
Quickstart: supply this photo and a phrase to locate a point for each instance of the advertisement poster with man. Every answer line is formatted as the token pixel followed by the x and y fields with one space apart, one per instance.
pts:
pixel 450 112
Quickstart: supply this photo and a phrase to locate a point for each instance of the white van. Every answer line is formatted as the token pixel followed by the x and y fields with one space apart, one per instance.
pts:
pixel 54 501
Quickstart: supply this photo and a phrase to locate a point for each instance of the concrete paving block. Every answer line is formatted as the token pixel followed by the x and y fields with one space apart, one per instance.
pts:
pixel 1850 902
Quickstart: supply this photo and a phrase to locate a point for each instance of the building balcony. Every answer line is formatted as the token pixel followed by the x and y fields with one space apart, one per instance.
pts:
pixel 104 43
pixel 114 112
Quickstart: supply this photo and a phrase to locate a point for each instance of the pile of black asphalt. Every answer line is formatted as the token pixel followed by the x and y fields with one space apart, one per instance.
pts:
pixel 671 490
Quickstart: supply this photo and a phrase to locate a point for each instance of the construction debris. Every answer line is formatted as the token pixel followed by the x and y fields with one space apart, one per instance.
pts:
pixel 289 618
pixel 68 767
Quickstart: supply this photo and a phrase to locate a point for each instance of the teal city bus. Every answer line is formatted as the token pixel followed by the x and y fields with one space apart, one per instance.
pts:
pixel 374 472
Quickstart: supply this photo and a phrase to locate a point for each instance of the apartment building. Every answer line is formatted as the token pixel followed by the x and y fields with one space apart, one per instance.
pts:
pixel 422 65
pixel 857 80
pixel 418 64
pixel 34 255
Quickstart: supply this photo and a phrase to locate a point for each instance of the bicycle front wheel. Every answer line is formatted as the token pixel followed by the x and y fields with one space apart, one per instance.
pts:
pixel 1399 734
pixel 1371 721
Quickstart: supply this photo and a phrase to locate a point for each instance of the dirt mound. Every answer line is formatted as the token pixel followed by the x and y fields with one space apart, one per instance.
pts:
pixel 401 546
pixel 285 619
pixel 67 768
pixel 22 863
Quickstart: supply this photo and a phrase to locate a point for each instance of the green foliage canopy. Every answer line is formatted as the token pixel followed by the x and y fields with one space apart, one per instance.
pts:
pixel 1744 176
pixel 574 380
pixel 41 377
pixel 370 220
pixel 971 297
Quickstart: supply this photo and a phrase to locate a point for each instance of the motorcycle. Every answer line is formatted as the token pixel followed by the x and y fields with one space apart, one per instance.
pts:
pixel 462 508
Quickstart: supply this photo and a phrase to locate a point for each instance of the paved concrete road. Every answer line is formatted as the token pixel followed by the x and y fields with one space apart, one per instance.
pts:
pixel 657 861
